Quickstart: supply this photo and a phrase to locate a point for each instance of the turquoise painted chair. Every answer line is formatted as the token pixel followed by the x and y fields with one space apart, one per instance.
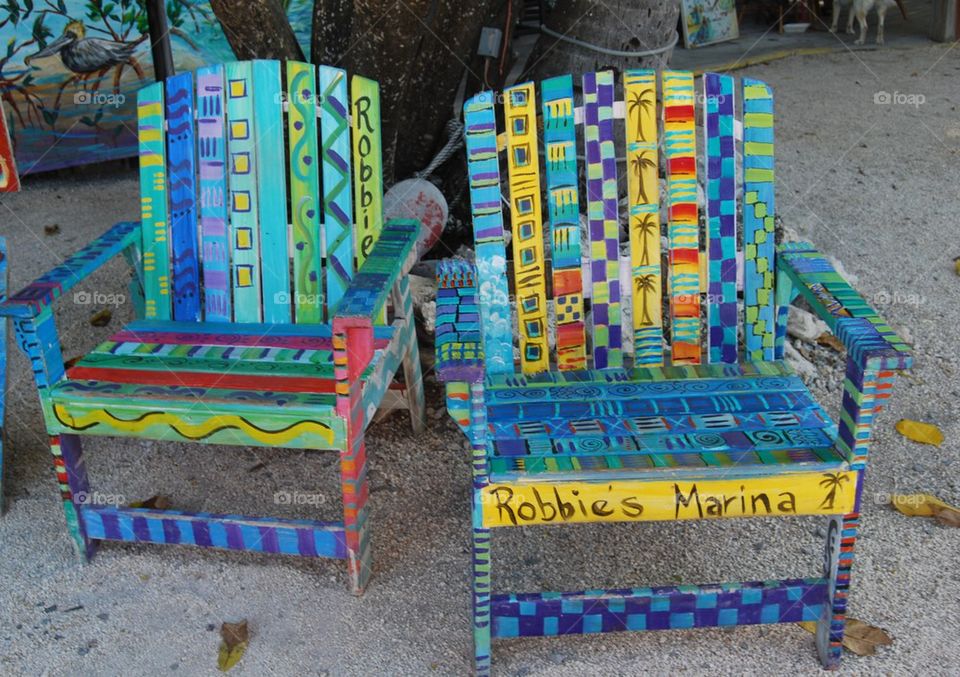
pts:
pixel 240 339
pixel 687 414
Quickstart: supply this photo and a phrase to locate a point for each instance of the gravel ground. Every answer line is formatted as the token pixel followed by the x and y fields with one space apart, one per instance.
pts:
pixel 873 184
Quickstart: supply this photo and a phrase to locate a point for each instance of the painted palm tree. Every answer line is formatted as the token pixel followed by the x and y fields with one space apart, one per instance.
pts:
pixel 833 481
pixel 641 102
pixel 647 226
pixel 646 285
pixel 640 163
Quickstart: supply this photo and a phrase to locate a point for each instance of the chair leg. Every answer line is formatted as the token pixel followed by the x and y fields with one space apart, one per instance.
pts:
pixel 353 483
pixel 481 601
pixel 74 489
pixel 838 559
pixel 412 373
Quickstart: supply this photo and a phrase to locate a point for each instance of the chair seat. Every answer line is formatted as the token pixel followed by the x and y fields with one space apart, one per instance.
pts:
pixel 701 420
pixel 259 384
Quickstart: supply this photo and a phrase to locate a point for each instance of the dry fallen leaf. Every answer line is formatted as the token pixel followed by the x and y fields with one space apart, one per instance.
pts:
pixel 235 637
pixel 154 503
pixel 52 229
pixel 925 505
pixel 924 433
pixel 830 341
pixel 858 637
pixel 101 318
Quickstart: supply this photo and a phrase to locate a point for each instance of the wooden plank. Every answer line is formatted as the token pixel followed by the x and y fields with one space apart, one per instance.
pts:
pixel 153 201
pixel 3 354
pixel 721 217
pixel 678 607
pixel 758 221
pixel 529 269
pixel 367 164
pixel 304 538
pixel 182 172
pixel 272 201
pixel 305 193
pixel 604 225
pixel 212 149
pixel 337 208
pixel 524 504
pixel 244 210
pixel 484 170
pixel 643 186
pixel 563 204
pixel 680 149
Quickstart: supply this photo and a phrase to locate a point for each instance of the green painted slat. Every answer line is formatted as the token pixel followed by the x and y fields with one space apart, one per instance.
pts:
pixel 153 202
pixel 337 207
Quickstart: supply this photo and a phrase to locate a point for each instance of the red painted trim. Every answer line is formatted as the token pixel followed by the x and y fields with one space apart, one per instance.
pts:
pixel 283 384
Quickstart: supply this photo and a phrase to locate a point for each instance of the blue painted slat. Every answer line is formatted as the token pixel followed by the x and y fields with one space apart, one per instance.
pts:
pixel 181 163
pixel 721 208
pixel 337 198
pixel 211 148
pixel 271 159
pixel 484 171
pixel 244 194
pixel 3 357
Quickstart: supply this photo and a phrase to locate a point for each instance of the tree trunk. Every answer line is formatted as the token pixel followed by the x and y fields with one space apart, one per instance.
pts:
pixel 417 50
pixel 257 29
pixel 619 25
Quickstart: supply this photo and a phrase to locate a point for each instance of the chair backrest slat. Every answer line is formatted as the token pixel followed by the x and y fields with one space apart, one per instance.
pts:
pixel 680 144
pixel 643 187
pixel 181 165
pixel 563 205
pixel 721 215
pixel 529 271
pixel 758 221
pixel 602 218
pixel 153 202
pixel 367 167
pixel 480 133
pixel 211 149
pixel 304 192
pixel 272 202
pixel 337 198
pixel 244 209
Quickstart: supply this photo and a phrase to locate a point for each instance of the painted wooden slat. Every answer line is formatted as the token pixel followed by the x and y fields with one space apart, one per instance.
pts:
pixel 304 192
pixel 244 210
pixel 529 270
pixel 337 209
pixel 211 148
pixel 272 201
pixel 604 225
pixel 367 163
pixel 563 204
pixel 758 220
pixel 721 217
pixel 680 150
pixel 153 201
pixel 484 170
pixel 643 187
pixel 305 538
pixel 3 358
pixel 181 167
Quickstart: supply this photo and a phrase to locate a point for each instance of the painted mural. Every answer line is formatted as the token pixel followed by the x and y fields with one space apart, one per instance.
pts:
pixel 708 21
pixel 70 70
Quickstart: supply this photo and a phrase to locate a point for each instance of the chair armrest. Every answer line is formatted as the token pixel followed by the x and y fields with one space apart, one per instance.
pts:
pixel 42 292
pixel 392 256
pixel 869 341
pixel 459 342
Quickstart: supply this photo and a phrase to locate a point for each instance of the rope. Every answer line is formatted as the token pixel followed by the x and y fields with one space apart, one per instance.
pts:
pixel 454 139
pixel 605 50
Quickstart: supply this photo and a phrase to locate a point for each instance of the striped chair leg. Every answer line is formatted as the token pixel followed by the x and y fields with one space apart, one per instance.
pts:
pixel 838 559
pixel 412 374
pixel 481 599
pixel 74 489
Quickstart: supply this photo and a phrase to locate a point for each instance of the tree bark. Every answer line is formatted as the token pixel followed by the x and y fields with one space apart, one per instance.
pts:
pixel 257 29
pixel 619 25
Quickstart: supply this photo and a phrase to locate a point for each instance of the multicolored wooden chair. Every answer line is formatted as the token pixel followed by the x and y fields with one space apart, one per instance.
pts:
pixel 3 362
pixel 684 414
pixel 241 339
